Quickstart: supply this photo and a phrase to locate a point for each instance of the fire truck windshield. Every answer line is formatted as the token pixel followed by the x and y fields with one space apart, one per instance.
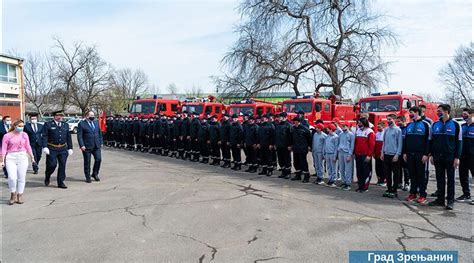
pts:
pixel 193 108
pixel 238 110
pixel 145 107
pixel 297 106
pixel 380 105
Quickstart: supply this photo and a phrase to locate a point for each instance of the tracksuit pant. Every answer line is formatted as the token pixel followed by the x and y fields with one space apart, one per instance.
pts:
pixel 346 168
pixel 331 162
pixel 445 170
pixel 379 170
pixel 392 170
pixel 364 171
pixel 16 164
pixel 466 164
pixel 416 168
pixel 318 164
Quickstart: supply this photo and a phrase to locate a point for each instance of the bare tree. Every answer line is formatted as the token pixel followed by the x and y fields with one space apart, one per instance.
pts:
pixel 458 77
pixel 125 85
pixel 280 41
pixel 172 89
pixel 194 92
pixel 40 81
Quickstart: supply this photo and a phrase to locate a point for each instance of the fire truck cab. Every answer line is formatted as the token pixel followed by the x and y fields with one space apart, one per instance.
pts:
pixel 379 105
pixel 148 107
pixel 204 107
pixel 253 107
pixel 320 108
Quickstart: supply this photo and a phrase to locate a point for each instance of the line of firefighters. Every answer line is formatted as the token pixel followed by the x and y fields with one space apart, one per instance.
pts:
pixel 399 150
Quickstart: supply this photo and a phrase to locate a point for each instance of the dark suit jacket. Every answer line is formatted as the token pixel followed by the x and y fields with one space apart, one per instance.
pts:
pixel 3 131
pixel 88 137
pixel 35 137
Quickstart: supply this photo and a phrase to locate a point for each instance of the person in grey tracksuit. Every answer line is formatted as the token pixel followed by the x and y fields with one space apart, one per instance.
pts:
pixel 346 156
pixel 331 143
pixel 318 146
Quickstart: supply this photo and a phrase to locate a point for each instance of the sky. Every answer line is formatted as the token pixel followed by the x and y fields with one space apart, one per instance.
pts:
pixel 183 42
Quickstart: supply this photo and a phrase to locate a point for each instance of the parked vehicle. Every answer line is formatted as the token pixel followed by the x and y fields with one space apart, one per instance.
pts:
pixel 253 107
pixel 203 107
pixel 73 123
pixel 150 106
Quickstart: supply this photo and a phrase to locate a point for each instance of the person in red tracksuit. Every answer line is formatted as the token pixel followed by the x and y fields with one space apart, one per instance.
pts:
pixel 379 165
pixel 363 151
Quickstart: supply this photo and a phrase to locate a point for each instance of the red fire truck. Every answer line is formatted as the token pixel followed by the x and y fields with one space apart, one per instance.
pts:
pixel 380 105
pixel 320 108
pixel 148 107
pixel 253 106
pixel 204 107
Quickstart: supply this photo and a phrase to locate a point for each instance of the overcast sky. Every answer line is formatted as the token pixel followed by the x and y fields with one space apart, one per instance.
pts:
pixel 184 41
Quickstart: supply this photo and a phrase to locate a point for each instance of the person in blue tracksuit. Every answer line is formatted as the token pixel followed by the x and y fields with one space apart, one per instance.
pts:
pixel 346 156
pixel 467 157
pixel 331 143
pixel 445 149
pixel 318 158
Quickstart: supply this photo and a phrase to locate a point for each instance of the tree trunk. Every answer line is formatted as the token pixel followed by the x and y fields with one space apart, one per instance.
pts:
pixel 295 86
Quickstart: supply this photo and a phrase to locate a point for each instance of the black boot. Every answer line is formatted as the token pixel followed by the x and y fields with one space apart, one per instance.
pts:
pixel 306 178
pixel 263 171
pixel 270 172
pixel 234 167
pixel 297 177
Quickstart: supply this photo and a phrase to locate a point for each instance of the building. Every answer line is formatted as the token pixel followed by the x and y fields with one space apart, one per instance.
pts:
pixel 12 88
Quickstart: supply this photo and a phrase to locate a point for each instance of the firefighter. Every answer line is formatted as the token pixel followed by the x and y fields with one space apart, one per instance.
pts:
pixel 129 140
pixel 108 140
pixel 304 121
pixel 140 139
pixel 136 127
pixel 282 144
pixel 266 142
pixel 301 143
pixel 225 140
pixel 156 135
pixel 149 134
pixel 445 149
pixel 164 135
pixel 274 121
pixel 318 148
pixel 467 156
pixel 245 123
pixel 236 136
pixel 184 135
pixel 118 131
pixel 176 136
pixel 193 132
pixel 204 140
pixel 214 135
pixel 170 136
pixel 250 144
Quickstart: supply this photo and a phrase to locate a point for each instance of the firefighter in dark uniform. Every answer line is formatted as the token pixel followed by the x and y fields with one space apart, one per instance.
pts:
pixel 236 136
pixel 129 133
pixel 266 142
pixel 445 149
pixel 304 121
pixel 140 138
pixel 170 137
pixel 250 144
pixel 185 136
pixel 148 134
pixel 118 124
pixel 258 152
pixel 282 143
pixel 108 131
pixel 204 140
pixel 273 152
pixel 245 123
pixel 57 145
pixel 194 132
pixel 164 135
pixel 224 141
pixel 136 132
pixel 301 143
pixel 177 135
pixel 156 135
pixel 214 137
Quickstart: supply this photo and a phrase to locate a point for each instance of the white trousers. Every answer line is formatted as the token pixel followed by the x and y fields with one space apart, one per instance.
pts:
pixel 17 165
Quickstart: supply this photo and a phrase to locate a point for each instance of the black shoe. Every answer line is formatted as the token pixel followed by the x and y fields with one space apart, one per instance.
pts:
pixel 62 186
pixel 282 175
pixel 435 194
pixel 88 180
pixel 436 202
pixel 96 177
pixel 35 172
pixel 46 182
pixel 269 173
pixel 306 178
pixel 296 178
pixel 464 199
pixel 263 172
pixel 450 205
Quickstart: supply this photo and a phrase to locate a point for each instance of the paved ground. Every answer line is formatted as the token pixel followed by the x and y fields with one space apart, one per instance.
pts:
pixel 156 209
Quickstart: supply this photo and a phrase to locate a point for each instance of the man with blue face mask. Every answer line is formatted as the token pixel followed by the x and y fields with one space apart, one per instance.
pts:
pixel 34 130
pixel 89 137
pixel 466 163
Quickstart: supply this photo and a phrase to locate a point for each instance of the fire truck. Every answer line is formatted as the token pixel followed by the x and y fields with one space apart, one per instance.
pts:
pixel 148 107
pixel 316 108
pixel 379 105
pixel 253 107
pixel 204 107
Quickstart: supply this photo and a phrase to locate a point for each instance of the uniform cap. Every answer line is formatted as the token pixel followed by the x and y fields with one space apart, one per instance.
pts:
pixel 235 116
pixel 332 127
pixel 320 126
pixel 298 119
pixel 335 120
pixel 283 114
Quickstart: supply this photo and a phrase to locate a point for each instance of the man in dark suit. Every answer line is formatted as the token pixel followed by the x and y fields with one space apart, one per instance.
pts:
pixel 57 145
pixel 5 123
pixel 89 137
pixel 34 131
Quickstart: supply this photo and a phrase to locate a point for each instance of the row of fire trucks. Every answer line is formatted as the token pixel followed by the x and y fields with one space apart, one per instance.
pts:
pixel 378 106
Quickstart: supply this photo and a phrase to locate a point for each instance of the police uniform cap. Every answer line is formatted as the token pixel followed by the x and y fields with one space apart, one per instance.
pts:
pixel 298 119
pixel 235 115
pixel 283 114
pixel 57 113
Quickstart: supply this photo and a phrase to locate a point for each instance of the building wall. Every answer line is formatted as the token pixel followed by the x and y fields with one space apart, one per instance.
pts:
pixel 11 87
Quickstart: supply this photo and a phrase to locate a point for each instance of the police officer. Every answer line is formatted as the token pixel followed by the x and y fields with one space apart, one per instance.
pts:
pixel 214 137
pixel 282 144
pixel 204 140
pixel 250 144
pixel 194 132
pixel 185 135
pixel 57 145
pixel 445 149
pixel 467 156
pixel 225 140
pixel 266 142
pixel 301 143
pixel 236 137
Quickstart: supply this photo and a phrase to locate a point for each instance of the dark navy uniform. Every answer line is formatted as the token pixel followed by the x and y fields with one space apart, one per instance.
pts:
pixel 301 141
pixel 225 144
pixel 214 137
pixel 156 136
pixel 164 136
pixel 57 138
pixel 193 132
pixel 445 146
pixel 177 137
pixel 236 136
pixel 203 139
pixel 266 140
pixel 185 137
pixel 250 143
pixel 282 142
pixel 467 157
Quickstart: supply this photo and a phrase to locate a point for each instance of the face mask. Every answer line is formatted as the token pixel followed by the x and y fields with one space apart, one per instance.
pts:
pixel 19 129
pixel 440 114
pixel 465 117
pixel 390 123
pixel 412 116
pixel 91 118
pixel 379 129
pixel 8 122
pixel 34 121
pixel 59 119
pixel 360 126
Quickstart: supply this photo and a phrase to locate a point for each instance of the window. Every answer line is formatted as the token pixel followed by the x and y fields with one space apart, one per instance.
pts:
pixel 259 111
pixel 208 109
pixel 239 110
pixel 326 107
pixel 380 105
pixel 269 109
pixel 218 109
pixel 297 106
pixel 405 104
pixel 193 108
pixel 9 96
pixel 318 106
pixel 162 106
pixel 8 73
pixel 143 107
pixel 174 107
